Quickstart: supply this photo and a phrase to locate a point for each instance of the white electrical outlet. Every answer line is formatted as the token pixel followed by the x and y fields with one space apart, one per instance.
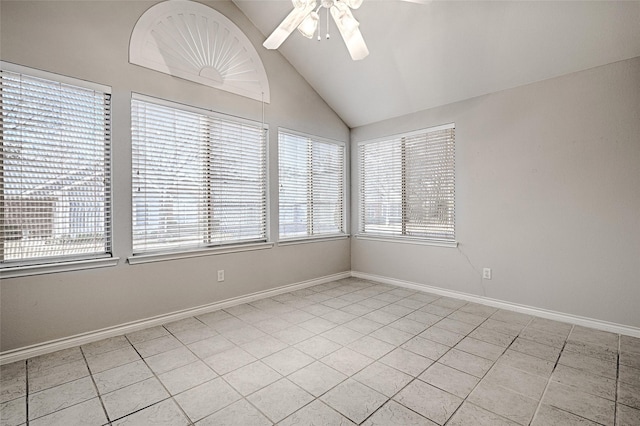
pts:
pixel 486 273
pixel 220 275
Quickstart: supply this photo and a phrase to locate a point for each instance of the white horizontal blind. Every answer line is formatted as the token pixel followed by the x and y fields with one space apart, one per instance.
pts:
pixel 311 175
pixel 407 185
pixel 199 180
pixel 55 170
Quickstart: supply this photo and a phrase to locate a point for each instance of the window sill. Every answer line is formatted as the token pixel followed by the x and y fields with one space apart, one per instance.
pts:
pixel 210 251
pixel 305 240
pixel 416 241
pixel 51 268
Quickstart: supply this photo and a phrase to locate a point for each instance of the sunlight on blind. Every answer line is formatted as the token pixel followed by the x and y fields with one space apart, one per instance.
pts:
pixel 407 185
pixel 311 174
pixel 55 170
pixel 198 180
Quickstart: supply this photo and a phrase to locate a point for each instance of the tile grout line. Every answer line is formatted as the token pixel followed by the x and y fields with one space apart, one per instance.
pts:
pixel 26 387
pixel 550 376
pixel 615 402
pixel 171 397
pixel 95 386
pixel 484 375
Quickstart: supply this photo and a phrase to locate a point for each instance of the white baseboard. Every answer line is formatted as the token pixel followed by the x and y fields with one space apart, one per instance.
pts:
pixel 93 336
pixel 530 310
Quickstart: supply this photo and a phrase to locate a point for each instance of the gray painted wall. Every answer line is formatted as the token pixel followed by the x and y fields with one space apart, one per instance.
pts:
pixel 547 195
pixel 90 40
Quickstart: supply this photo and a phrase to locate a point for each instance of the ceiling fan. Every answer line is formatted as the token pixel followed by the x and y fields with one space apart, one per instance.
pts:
pixel 305 17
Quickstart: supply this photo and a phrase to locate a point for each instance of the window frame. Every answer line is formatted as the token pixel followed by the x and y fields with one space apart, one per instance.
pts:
pixel 213 248
pixel 402 238
pixel 63 263
pixel 299 239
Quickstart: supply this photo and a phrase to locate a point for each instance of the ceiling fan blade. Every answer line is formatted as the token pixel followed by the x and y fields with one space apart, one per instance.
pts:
pixel 352 37
pixel 288 25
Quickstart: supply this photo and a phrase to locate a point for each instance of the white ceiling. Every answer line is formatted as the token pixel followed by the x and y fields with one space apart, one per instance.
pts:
pixel 427 55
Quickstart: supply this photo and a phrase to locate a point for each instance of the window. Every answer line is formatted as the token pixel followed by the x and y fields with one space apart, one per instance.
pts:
pixel 312 186
pixel 199 178
pixel 55 168
pixel 407 185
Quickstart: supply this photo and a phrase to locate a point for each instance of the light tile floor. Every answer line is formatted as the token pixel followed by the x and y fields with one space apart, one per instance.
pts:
pixel 342 353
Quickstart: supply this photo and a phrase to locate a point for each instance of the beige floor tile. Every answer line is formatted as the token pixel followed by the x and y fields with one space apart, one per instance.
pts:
pixel 432 403
pixel 156 346
pixel 426 348
pixel 120 377
pixel 529 347
pixel 170 360
pixel 525 362
pixel 88 413
pixel 585 382
pixel 465 362
pixel 346 361
pixel 480 348
pixel 627 416
pixel 206 399
pixel 382 378
pixel 516 380
pixel 229 360
pixel 60 397
pixel 551 416
pixel 288 360
pixel 14 412
pixel 472 415
pixel 280 399
pixel 165 413
pixel 490 336
pixel 317 378
pixel 371 347
pixel 455 326
pixel 579 403
pixel 264 346
pixel 238 413
pixel 54 376
pixel 317 346
pixel 629 395
pixel 440 335
pixel 393 413
pixel 134 397
pixel 450 380
pixel 589 364
pixel 251 377
pixel 186 377
pixel 391 335
pixel 107 360
pixel 354 400
pixel 210 346
pixel 406 361
pixel 316 413
pixel 504 402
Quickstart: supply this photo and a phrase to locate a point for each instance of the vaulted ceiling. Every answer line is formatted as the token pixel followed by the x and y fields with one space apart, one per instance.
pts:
pixel 439 52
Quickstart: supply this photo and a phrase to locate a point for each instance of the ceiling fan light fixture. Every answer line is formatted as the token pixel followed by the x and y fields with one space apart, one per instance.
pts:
pixel 309 26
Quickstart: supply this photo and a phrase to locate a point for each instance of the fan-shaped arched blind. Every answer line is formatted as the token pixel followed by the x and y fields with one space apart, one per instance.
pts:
pixel 407 185
pixel 189 40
